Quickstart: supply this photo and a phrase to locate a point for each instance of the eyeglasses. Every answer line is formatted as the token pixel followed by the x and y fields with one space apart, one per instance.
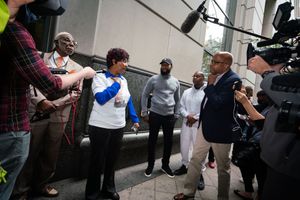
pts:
pixel 216 62
pixel 66 40
pixel 197 76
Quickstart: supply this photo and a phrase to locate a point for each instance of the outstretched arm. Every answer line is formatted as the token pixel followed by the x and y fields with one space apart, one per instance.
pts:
pixel 252 112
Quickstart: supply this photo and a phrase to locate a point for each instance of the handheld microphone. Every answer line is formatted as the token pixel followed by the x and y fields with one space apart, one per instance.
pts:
pixel 192 19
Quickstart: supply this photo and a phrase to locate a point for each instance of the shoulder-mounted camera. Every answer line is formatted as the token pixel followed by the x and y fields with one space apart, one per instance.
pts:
pixel 286 50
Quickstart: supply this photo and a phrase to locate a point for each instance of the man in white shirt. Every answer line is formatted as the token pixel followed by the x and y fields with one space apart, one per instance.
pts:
pixel 190 103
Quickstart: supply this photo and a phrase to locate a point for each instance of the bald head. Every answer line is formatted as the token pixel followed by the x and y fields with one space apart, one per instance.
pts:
pixel 221 62
pixel 198 79
pixel 199 73
pixel 226 57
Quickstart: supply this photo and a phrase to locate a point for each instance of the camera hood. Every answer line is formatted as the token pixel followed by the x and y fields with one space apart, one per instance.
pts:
pixel 48 7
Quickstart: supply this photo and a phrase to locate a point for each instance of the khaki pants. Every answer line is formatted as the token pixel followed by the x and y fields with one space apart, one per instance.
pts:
pixel 200 151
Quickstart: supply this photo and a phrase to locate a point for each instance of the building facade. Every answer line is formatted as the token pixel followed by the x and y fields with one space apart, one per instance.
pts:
pixel 150 30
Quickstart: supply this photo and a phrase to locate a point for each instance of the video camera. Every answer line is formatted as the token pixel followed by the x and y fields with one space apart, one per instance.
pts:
pixel 289 54
pixel 286 30
pixel 58 71
pixel 62 93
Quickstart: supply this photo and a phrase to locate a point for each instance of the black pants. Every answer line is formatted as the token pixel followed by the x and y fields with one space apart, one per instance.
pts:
pixel 211 155
pixel 167 123
pixel 258 168
pixel 105 150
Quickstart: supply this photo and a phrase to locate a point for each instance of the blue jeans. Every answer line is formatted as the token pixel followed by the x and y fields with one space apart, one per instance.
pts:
pixel 14 148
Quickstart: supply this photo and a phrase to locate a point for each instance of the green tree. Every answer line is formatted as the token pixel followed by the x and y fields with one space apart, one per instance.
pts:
pixel 212 45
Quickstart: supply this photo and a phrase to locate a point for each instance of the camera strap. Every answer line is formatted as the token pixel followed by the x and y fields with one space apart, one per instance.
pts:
pixel 74 102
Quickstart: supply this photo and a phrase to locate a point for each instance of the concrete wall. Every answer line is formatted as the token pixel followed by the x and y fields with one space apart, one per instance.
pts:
pixel 249 16
pixel 148 29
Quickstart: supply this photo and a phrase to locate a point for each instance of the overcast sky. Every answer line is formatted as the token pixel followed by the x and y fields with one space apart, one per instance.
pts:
pixel 215 30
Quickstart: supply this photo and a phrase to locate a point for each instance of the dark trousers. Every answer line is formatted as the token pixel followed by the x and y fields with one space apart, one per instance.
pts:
pixel 248 174
pixel 279 186
pixel 211 155
pixel 258 168
pixel 105 150
pixel 167 123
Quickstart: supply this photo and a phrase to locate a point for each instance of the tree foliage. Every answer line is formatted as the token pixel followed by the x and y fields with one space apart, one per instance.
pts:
pixel 212 45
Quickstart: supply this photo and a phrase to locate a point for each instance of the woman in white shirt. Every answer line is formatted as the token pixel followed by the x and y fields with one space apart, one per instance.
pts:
pixel 106 124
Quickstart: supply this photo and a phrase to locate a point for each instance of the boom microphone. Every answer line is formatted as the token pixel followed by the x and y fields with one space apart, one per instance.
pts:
pixel 192 19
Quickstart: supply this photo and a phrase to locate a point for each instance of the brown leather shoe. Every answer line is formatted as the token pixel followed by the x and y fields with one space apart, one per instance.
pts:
pixel 49 191
pixel 243 195
pixel 182 196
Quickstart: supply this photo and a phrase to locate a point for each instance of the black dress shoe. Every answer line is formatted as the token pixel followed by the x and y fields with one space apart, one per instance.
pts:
pixel 110 195
pixel 182 170
pixel 201 184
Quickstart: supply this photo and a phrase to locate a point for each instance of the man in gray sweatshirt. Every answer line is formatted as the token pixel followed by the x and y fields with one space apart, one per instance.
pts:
pixel 164 111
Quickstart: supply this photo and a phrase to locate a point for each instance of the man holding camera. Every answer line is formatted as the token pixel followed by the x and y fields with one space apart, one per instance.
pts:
pixel 217 106
pixel 279 149
pixel 49 116
pixel 21 66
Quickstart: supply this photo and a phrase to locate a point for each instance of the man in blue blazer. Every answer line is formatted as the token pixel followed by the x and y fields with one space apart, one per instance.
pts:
pixel 216 126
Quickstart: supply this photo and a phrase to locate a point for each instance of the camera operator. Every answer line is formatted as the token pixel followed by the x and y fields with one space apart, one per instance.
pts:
pixel 279 150
pixel 21 66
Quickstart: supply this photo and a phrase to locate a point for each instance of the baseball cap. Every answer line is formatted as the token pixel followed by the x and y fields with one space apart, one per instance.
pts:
pixel 166 60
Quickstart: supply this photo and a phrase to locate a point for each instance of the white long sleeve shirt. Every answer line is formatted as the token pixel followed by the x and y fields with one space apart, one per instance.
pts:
pixel 108 114
pixel 191 102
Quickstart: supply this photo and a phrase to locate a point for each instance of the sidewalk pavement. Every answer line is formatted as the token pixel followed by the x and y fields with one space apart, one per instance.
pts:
pixel 133 185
